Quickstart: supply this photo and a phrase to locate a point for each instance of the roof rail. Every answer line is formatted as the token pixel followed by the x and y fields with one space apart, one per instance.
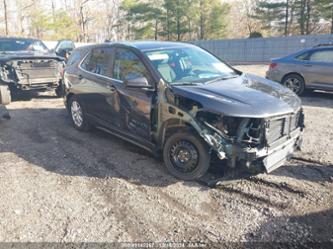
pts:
pixel 330 44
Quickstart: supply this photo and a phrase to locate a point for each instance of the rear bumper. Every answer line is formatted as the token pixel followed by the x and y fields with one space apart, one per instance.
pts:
pixel 274 75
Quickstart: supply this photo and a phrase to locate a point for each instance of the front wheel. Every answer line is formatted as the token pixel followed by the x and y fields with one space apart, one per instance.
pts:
pixel 186 156
pixel 78 115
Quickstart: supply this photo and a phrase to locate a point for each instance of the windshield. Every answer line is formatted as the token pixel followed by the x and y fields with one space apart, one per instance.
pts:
pixel 21 45
pixel 189 65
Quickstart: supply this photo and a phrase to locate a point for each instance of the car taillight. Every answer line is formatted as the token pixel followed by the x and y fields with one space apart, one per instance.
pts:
pixel 62 72
pixel 272 65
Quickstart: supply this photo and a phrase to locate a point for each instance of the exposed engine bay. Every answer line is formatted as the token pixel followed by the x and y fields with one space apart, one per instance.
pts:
pixel 251 144
pixel 27 74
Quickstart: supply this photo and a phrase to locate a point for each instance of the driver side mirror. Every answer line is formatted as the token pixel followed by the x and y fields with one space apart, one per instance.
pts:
pixel 140 82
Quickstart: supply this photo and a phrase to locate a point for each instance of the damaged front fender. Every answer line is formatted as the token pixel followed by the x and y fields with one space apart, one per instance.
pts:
pixel 170 110
pixel 250 143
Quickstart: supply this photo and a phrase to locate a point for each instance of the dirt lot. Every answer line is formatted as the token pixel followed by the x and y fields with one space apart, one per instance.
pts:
pixel 57 184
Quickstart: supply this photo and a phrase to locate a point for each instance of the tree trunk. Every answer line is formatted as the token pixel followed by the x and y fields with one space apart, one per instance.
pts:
pixel 83 36
pixel 168 24
pixel 202 21
pixel 308 16
pixel 178 21
pixel 156 29
pixel 287 19
pixel 65 5
pixel 6 17
pixel 332 19
pixel 189 28
pixel 302 17
pixel 53 11
pixel 291 22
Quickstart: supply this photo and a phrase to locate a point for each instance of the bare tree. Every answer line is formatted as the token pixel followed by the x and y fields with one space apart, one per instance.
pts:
pixel 6 16
pixel 83 21
pixel 286 18
pixel 202 20
pixel 332 19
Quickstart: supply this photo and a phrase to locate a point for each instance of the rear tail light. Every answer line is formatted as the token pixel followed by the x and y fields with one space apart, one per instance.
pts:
pixel 272 65
pixel 62 72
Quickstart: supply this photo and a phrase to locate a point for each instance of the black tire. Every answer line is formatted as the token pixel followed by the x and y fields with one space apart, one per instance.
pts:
pixel 60 90
pixel 294 82
pixel 186 144
pixel 84 124
pixel 5 97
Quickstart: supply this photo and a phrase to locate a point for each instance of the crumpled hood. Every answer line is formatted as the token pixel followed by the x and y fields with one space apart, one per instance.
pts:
pixel 15 55
pixel 245 96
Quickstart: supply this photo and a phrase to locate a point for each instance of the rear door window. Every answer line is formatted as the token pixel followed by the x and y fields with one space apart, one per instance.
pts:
pixel 322 56
pixel 99 62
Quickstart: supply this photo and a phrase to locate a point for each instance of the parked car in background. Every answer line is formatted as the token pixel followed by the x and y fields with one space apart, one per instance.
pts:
pixel 27 64
pixel 64 48
pixel 183 102
pixel 308 69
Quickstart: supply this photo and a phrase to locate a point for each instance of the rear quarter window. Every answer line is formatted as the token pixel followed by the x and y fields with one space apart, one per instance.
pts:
pixel 303 57
pixel 325 56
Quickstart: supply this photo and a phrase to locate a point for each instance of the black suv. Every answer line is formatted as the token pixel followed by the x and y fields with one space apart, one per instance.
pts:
pixel 27 64
pixel 183 102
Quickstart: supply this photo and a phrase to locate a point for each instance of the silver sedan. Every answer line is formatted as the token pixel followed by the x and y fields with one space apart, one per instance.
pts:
pixel 308 69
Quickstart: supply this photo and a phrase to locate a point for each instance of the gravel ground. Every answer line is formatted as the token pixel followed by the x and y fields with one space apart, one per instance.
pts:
pixel 60 185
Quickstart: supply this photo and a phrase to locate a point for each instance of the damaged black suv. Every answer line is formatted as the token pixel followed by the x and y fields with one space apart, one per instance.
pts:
pixel 27 64
pixel 181 101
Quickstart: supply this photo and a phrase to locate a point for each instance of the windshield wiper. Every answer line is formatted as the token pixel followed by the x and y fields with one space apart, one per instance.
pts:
pixel 221 78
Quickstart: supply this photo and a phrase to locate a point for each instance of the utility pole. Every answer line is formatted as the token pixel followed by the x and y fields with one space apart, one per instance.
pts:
pixel 6 17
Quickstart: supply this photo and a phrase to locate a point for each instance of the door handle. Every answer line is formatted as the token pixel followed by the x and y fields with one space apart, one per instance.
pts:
pixel 111 88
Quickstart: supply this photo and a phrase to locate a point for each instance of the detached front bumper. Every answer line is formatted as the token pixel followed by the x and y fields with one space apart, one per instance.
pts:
pixel 277 154
pixel 265 159
pixel 273 156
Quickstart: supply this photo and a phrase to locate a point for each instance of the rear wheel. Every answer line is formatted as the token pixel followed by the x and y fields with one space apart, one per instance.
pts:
pixel 295 83
pixel 5 97
pixel 186 156
pixel 78 115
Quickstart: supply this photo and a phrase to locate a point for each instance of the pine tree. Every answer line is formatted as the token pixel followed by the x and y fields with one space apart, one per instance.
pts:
pixel 275 15
pixel 326 9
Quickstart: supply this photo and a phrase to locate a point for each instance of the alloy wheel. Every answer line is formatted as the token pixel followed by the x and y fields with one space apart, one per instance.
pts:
pixel 294 84
pixel 77 114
